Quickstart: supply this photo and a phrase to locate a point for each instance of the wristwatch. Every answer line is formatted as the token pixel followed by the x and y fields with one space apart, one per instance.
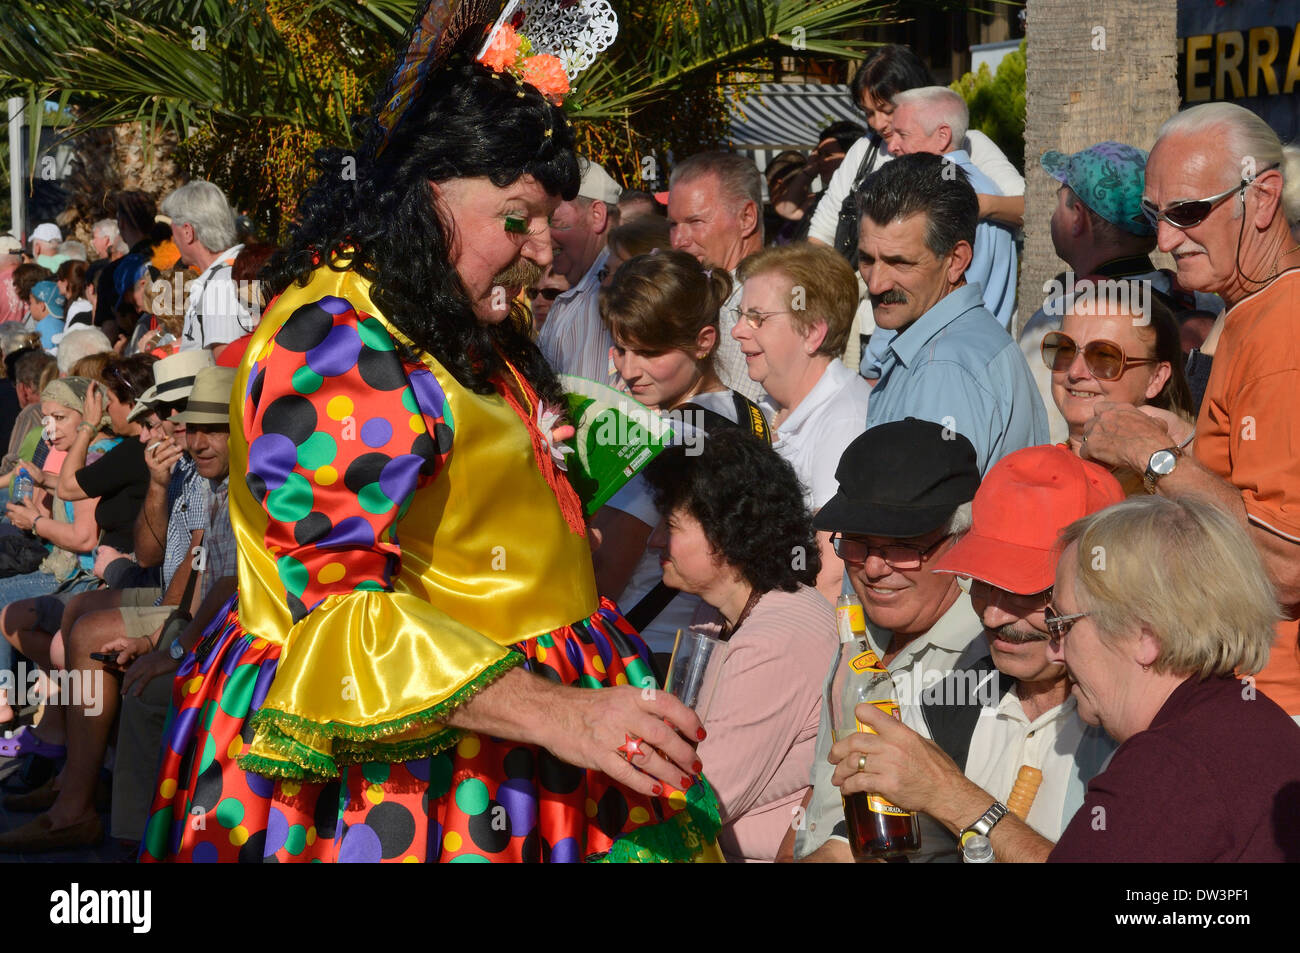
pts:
pixel 176 650
pixel 1161 464
pixel 997 810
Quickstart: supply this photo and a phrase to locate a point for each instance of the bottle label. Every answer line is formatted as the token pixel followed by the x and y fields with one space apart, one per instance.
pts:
pixel 850 620
pixel 889 707
pixel 866 662
pixel 878 805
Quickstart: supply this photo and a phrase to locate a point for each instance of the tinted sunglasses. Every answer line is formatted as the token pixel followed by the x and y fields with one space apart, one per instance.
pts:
pixel 1105 360
pixel 1191 213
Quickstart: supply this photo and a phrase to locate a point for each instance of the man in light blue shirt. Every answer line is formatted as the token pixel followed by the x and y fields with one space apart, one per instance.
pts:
pixel 950 361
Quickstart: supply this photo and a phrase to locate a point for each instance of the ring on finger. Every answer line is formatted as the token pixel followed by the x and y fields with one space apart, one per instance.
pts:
pixel 862 762
pixel 630 748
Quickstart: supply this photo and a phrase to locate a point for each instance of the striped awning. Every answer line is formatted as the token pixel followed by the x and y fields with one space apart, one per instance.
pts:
pixel 776 116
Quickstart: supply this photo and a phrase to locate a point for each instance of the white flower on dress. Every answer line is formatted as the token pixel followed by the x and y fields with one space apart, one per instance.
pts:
pixel 548 418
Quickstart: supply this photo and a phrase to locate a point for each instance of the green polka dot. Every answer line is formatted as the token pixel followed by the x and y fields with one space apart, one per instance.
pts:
pixel 209 709
pixel 292 500
pixel 370 585
pixel 406 505
pixel 209 752
pixel 237 694
pixel 638 672
pixel 296 839
pixel 545 641
pixel 306 381
pixel 293 574
pixel 470 859
pixel 371 498
pixel 590 681
pixel 408 401
pixel 472 796
pixel 376 773
pixel 439 776
pixel 374 335
pixel 316 451
pixel 230 813
pixel 155 835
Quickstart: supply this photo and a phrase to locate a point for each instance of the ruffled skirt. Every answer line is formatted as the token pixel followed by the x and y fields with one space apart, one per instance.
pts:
pixel 482 800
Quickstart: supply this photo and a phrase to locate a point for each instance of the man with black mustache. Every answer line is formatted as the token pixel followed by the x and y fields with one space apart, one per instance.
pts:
pixel 951 361
pixel 1029 749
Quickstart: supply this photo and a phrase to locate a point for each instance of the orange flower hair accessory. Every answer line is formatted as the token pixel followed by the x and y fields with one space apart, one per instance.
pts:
pixel 547 74
pixel 503 51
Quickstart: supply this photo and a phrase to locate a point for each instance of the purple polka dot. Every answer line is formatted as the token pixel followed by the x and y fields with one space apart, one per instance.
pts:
pixel 177 832
pixel 428 394
pixel 602 646
pixel 272 457
pixel 398 478
pixel 205 853
pixel 433 844
pixel 519 797
pixel 353 531
pixel 334 305
pixel 337 354
pixel 376 432
pixel 187 667
pixel 263 684
pixel 572 650
pixel 565 851
pixel 418 769
pixel 277 830
pixel 360 846
pixel 260 786
pixel 181 729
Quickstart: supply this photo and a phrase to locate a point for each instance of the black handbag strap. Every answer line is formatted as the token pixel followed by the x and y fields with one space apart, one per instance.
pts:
pixel 651 604
pixel 183 609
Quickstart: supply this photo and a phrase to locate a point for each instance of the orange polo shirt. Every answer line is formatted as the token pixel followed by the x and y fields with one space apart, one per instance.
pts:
pixel 1249 434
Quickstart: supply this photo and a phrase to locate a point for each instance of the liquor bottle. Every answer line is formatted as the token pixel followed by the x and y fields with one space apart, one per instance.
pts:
pixel 877 829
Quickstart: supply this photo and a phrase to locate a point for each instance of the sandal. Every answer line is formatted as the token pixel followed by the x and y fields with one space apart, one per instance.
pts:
pixel 25 741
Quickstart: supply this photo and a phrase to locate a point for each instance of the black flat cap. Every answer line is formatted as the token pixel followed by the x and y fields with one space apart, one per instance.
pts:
pixel 901 479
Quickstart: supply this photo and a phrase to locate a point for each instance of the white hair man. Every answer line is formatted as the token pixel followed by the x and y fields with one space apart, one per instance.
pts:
pixel 83 342
pixel 1215 191
pixel 574 339
pixel 203 228
pixel 46 238
pixel 715 212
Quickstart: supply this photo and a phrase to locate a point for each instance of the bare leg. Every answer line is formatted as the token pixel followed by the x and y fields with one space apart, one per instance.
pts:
pixel 89 717
pixel 18 625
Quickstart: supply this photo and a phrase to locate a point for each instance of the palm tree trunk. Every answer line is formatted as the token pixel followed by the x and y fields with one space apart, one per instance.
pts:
pixel 1096 71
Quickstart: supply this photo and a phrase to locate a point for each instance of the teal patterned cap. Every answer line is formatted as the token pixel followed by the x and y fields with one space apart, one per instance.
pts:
pixel 1108 178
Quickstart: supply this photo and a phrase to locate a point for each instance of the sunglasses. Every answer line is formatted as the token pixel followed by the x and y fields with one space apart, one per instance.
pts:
pixel 1105 360
pixel 1191 213
pixel 898 555
pixel 1059 625
pixel 550 294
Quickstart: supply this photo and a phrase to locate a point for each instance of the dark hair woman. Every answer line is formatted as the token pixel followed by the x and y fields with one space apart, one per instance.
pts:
pixel 739 535
pixel 417 625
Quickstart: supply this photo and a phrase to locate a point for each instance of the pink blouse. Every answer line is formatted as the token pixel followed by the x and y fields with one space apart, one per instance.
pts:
pixel 762 723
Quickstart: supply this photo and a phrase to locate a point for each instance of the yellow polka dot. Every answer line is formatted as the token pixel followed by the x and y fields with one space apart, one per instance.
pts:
pixel 451 841
pixel 167 788
pixel 267 348
pixel 410 859
pixel 239 835
pixel 330 572
pixel 676 800
pixel 541 653
pixel 590 807
pixel 469 746
pixel 339 407
pixel 273 550
pixel 374 793
pixel 620 679
pixel 598 664
pixel 638 815
pixel 326 476
pixel 417 423
pixel 258 644
pixel 194 684
pixel 235 747
pixel 311 835
pixel 290 788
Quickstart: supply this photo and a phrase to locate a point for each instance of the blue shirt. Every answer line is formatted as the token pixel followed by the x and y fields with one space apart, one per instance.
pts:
pixel 993 265
pixel 956 366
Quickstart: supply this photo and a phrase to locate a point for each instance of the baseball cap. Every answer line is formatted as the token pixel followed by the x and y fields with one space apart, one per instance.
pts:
pixel 47 232
pixel 1025 501
pixel 1108 178
pixel 10 245
pixel 47 292
pixel 900 479
pixel 596 183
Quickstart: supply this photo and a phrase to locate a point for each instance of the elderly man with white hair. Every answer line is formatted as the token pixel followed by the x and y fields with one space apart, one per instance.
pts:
pixel 83 342
pixel 109 247
pixel 1216 191
pixel 203 228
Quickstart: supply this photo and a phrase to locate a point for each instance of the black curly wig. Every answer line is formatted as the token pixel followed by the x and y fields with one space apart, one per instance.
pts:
pixel 376 208
pixel 748 501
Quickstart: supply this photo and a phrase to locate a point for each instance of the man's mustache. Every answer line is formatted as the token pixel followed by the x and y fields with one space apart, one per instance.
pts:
pixel 1009 633
pixel 892 296
pixel 522 274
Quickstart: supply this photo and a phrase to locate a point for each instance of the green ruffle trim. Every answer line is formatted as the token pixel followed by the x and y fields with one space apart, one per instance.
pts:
pixel 681 839
pixel 302 742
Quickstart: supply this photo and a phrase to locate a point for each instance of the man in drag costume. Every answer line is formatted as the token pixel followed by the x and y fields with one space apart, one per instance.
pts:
pixel 416 666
